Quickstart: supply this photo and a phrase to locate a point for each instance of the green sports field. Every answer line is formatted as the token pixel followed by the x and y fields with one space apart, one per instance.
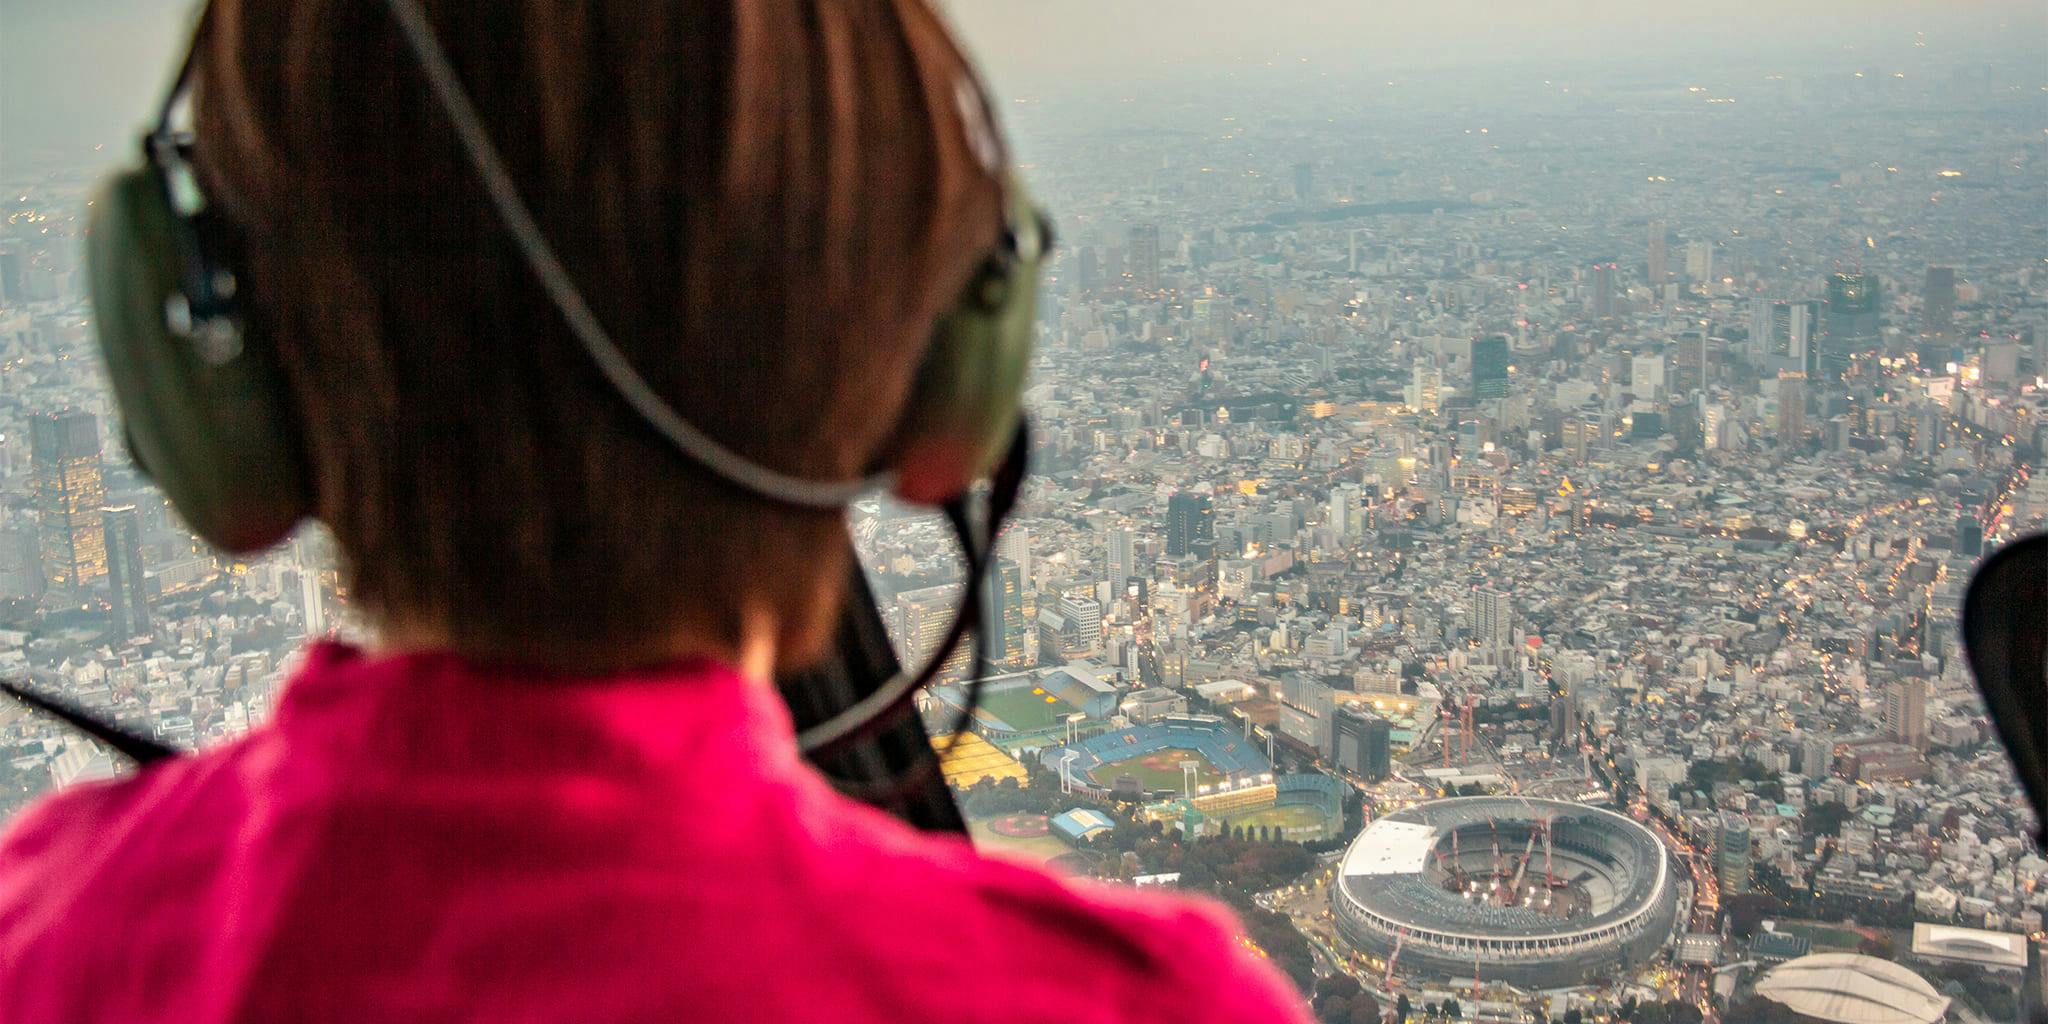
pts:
pixel 1160 770
pixel 1024 708
pixel 1280 816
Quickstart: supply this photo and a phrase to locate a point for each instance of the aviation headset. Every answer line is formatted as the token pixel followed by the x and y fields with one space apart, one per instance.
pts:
pixel 208 416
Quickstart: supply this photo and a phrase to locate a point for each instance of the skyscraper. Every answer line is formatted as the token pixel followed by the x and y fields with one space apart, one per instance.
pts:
pixel 1304 182
pixel 1731 855
pixel 1120 552
pixel 122 529
pixel 1190 519
pixel 1848 322
pixel 1905 712
pixel 922 618
pixel 1658 258
pixel 1492 618
pixel 1699 263
pixel 1364 743
pixel 1791 409
pixel 1938 303
pixel 1144 256
pixel 1009 642
pixel 1600 296
pixel 1015 545
pixel 1785 333
pixel 1490 367
pixel 64 449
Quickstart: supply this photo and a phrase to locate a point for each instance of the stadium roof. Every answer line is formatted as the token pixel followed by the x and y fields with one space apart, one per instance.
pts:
pixel 1849 988
pixel 1391 848
pixel 1973 945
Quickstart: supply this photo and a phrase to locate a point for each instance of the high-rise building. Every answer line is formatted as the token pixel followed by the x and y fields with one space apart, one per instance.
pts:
pixel 1600 294
pixel 1364 743
pixel 1849 322
pixel 1144 256
pixel 1426 389
pixel 1699 263
pixel 1015 545
pixel 1009 640
pixel 1905 712
pixel 923 617
pixel 1969 533
pixel 1786 333
pixel 1492 618
pixel 1658 260
pixel 1304 182
pixel 1731 855
pixel 1791 409
pixel 1490 367
pixel 1086 616
pixel 1190 520
pixel 122 529
pixel 1120 554
pixel 1938 303
pixel 65 453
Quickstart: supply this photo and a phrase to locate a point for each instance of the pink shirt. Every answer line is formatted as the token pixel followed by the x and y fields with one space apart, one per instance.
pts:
pixel 413 839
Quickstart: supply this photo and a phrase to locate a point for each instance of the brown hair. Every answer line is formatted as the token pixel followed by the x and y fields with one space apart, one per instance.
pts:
pixel 766 203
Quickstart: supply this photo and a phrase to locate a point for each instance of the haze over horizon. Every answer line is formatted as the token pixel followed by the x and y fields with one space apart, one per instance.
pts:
pixel 80 73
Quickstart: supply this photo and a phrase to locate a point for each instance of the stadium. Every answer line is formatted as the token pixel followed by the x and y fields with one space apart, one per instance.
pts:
pixel 1152 754
pixel 1535 893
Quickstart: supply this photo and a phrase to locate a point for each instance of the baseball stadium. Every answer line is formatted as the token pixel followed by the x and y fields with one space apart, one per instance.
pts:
pixel 1153 755
pixel 1535 893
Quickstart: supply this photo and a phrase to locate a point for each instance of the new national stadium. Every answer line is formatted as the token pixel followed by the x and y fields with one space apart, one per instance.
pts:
pixel 1535 893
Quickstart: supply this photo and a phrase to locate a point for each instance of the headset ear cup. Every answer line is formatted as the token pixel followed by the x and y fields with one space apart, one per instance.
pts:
pixel 214 433
pixel 963 411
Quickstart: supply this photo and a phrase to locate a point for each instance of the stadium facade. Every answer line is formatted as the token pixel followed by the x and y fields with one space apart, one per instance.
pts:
pixel 1535 893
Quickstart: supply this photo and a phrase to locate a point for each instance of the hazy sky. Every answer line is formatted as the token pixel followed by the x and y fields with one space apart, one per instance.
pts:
pixel 78 72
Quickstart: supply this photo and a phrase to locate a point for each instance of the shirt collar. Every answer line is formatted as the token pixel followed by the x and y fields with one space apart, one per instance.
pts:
pixel 436 711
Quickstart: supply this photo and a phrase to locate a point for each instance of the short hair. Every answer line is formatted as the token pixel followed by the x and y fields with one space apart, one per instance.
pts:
pixel 766 202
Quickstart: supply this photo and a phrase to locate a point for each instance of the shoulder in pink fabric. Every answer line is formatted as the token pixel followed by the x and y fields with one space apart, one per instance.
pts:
pixel 416 839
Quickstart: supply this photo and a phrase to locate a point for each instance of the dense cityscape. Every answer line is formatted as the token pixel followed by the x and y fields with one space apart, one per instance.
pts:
pixel 1504 536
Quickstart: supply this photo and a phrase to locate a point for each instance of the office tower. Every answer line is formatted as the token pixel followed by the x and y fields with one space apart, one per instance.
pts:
pixel 1600 295
pixel 1086 616
pixel 1578 436
pixel 1009 642
pixel 1344 510
pixel 1492 618
pixel 1731 855
pixel 1144 257
pixel 1905 712
pixel 122 529
pixel 1490 367
pixel 1015 545
pixel 1089 271
pixel 1304 182
pixel 1190 519
pixel 1426 389
pixel 65 453
pixel 1938 303
pixel 1791 409
pixel 1849 322
pixel 1785 333
pixel 1120 550
pixel 1969 533
pixel 922 618
pixel 1364 743
pixel 1699 263
pixel 1657 256
pixel 1646 376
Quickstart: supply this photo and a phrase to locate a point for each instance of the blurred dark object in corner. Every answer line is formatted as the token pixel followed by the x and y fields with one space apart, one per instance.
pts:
pixel 895 769
pixel 2005 633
